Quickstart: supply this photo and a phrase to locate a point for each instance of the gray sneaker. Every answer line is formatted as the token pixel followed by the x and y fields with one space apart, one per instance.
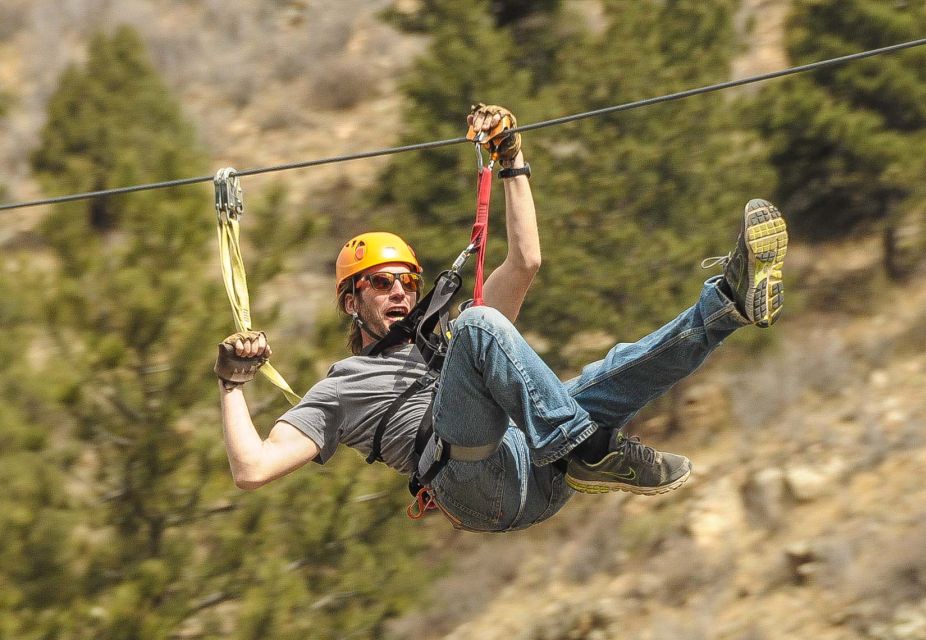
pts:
pixel 629 466
pixel 753 268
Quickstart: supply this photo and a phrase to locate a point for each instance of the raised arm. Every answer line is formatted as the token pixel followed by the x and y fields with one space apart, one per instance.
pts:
pixel 507 285
pixel 254 461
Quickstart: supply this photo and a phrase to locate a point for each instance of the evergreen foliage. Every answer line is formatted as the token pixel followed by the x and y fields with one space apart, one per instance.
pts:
pixel 426 195
pixel 848 141
pixel 645 195
pixel 121 520
pixel 628 204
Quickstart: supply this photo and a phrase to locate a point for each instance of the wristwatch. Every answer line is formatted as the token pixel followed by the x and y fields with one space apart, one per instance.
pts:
pixel 511 173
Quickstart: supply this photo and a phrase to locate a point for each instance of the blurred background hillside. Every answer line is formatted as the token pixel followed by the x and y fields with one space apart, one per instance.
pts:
pixel 804 518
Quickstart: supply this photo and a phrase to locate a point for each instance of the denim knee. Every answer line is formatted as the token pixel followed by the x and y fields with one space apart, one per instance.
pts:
pixel 483 318
pixel 478 327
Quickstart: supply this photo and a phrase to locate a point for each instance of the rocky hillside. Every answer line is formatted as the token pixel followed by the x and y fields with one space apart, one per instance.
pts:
pixel 264 83
pixel 804 517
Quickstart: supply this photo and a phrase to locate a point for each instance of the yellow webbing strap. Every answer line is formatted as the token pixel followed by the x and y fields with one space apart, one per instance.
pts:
pixel 229 206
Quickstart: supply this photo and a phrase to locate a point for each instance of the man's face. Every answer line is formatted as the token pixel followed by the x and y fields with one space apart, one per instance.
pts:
pixel 380 309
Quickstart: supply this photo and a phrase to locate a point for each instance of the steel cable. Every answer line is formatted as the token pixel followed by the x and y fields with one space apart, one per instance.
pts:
pixel 444 143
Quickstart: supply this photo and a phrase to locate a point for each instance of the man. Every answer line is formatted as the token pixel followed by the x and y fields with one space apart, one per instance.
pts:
pixel 519 440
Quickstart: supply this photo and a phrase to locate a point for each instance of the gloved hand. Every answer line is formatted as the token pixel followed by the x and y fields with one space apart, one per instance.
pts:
pixel 240 356
pixel 492 121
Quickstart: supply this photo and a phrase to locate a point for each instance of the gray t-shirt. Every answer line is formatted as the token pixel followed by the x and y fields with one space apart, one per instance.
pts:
pixel 348 404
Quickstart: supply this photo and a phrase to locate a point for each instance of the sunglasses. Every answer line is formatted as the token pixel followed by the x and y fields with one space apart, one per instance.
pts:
pixel 384 281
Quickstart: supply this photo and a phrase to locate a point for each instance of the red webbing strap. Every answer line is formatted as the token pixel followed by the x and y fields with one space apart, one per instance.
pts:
pixel 481 229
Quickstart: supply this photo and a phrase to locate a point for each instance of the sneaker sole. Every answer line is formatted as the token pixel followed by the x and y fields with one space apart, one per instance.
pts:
pixel 596 487
pixel 767 239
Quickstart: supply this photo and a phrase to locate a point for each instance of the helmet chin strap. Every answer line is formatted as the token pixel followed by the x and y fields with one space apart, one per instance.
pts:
pixel 363 327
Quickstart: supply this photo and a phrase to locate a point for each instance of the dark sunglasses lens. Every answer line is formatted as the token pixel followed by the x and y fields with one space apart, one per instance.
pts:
pixel 411 282
pixel 384 280
pixel 381 281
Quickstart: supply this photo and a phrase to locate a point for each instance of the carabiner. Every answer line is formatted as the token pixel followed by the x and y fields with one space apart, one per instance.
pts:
pixel 423 503
pixel 463 257
pixel 480 163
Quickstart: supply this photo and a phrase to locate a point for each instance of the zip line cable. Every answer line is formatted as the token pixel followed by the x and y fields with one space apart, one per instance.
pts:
pixel 451 141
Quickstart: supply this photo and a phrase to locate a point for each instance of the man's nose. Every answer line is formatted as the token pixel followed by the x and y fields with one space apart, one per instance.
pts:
pixel 397 289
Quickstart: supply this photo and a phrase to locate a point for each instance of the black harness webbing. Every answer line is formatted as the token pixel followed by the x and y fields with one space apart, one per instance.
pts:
pixel 428 326
pixel 432 312
pixel 418 385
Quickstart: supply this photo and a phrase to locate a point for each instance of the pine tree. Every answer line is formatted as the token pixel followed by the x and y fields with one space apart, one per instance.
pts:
pixel 4 107
pixel 638 198
pixel 130 309
pixel 628 204
pixel 848 141
pixel 159 542
pixel 432 193
pixel 36 559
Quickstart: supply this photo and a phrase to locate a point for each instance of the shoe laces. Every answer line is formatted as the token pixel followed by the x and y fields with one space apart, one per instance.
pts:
pixel 636 450
pixel 709 263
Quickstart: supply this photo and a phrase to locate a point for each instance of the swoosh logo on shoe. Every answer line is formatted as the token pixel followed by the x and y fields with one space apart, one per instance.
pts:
pixel 630 475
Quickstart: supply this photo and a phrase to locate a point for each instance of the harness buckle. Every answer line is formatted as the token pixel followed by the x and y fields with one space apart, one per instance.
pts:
pixel 229 196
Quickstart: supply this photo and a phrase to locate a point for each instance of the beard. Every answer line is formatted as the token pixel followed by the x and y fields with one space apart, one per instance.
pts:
pixel 374 323
pixel 374 315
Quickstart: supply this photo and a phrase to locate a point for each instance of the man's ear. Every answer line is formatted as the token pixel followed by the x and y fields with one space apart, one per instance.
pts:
pixel 349 304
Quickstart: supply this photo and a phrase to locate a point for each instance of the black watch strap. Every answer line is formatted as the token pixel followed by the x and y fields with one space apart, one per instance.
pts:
pixel 511 173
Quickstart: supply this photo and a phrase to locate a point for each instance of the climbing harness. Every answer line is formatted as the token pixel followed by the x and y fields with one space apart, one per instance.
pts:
pixel 428 326
pixel 229 207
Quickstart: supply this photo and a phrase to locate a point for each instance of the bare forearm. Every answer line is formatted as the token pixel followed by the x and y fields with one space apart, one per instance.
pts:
pixel 521 222
pixel 254 461
pixel 242 442
pixel 507 287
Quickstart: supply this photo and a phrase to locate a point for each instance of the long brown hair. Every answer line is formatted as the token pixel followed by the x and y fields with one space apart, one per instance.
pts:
pixel 354 336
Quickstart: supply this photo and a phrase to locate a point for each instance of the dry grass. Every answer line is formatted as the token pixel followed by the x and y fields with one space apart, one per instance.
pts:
pixel 342 84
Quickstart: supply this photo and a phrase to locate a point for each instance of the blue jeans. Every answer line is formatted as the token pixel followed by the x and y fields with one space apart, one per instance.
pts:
pixel 495 389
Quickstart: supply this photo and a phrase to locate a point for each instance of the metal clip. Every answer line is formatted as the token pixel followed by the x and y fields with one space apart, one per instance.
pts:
pixel 229 197
pixel 463 257
pixel 479 161
pixel 420 506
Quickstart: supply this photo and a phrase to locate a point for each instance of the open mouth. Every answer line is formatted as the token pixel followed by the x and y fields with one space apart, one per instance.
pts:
pixel 396 314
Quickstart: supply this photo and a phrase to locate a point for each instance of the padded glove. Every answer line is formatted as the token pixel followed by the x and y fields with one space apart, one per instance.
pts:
pixel 235 370
pixel 503 146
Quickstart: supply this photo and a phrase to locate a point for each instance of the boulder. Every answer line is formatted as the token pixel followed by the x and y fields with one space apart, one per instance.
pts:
pixel 807 482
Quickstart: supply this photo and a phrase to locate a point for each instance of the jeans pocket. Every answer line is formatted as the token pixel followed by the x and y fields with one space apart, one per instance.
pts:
pixel 472 492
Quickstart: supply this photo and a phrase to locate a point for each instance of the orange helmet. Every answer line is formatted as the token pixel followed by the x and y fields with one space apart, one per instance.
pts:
pixel 370 249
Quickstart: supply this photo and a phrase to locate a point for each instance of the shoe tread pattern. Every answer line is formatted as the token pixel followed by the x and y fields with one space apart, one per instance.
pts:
pixel 767 236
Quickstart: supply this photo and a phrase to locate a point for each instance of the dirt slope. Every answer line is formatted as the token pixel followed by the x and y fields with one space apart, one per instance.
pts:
pixel 805 517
